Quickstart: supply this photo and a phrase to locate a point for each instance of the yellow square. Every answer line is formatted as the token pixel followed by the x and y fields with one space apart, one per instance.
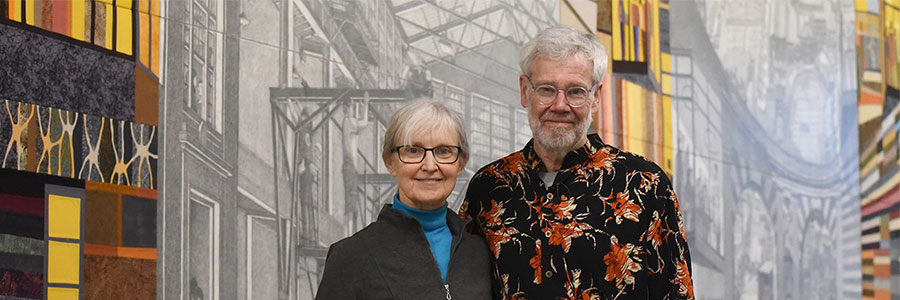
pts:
pixel 124 30
pixel 58 293
pixel 63 262
pixel 64 217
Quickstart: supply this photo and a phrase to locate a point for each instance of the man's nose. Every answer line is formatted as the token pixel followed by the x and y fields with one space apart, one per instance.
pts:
pixel 559 101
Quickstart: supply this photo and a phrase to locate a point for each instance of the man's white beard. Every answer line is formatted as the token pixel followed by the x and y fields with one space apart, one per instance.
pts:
pixel 559 139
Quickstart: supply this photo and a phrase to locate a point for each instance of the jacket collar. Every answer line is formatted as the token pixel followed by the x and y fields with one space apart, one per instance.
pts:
pixel 392 216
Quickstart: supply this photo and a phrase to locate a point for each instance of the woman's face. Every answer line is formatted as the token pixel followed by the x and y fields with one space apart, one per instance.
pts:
pixel 427 184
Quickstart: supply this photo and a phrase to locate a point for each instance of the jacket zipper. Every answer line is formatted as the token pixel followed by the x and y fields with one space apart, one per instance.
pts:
pixel 453 247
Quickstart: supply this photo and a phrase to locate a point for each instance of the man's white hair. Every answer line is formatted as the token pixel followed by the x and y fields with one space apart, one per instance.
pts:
pixel 561 42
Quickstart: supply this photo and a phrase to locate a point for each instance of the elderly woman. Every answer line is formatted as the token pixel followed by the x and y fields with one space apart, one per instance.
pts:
pixel 417 248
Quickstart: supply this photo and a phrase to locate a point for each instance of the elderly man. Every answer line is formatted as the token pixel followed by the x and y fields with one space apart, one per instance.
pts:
pixel 568 216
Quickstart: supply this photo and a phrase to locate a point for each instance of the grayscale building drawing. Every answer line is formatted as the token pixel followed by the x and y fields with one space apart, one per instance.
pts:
pixel 765 105
pixel 273 113
pixel 274 152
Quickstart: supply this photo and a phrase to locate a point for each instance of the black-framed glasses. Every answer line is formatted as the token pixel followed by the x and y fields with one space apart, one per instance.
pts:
pixel 575 95
pixel 416 154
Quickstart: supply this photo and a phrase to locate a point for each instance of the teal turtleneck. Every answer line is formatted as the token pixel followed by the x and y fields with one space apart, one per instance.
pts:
pixel 434 222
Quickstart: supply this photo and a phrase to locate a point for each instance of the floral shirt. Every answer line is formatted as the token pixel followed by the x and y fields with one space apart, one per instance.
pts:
pixel 608 228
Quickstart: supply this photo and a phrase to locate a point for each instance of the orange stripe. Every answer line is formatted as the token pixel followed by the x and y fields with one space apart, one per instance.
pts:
pixel 120 189
pixel 867 97
pixel 883 271
pixel 12 11
pixel 100 250
pixel 870 254
pixel 60 15
pixel 154 36
pixel 139 253
pixel 127 252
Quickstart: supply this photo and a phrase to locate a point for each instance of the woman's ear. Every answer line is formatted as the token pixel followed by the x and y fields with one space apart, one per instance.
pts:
pixel 389 164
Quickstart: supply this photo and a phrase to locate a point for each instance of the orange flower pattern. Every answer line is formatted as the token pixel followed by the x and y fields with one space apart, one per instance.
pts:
pixel 608 228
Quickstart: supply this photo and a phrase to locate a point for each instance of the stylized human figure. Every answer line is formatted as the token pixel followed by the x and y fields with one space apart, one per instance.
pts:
pixel 351 127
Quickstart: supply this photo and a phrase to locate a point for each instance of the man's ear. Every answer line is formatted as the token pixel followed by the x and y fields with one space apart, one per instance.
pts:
pixel 595 106
pixel 523 88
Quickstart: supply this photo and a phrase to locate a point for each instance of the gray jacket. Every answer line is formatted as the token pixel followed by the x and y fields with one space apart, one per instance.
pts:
pixel 391 259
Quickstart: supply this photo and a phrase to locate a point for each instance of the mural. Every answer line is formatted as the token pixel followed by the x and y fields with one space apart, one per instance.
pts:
pixel 750 108
pixel 765 147
pixel 878 26
pixel 274 113
pixel 78 121
pixel 259 122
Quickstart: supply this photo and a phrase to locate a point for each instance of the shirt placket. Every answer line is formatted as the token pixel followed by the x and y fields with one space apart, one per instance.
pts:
pixel 551 254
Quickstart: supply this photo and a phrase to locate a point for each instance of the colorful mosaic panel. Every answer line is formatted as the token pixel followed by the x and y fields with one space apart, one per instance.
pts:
pixel 635 32
pixel 63 143
pixel 95 233
pixel 878 29
pixel 103 84
pixel 108 24
pixel 120 249
pixel 23 244
pixel 78 117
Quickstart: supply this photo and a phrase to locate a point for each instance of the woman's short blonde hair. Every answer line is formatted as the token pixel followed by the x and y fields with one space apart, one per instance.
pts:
pixel 423 115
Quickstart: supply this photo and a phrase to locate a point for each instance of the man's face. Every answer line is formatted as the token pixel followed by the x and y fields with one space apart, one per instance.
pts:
pixel 557 126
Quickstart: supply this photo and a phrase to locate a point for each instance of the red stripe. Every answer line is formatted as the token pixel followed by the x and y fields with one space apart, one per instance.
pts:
pixel 22 205
pixel 885 202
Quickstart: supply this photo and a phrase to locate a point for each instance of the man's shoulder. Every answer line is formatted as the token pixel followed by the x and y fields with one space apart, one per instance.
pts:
pixel 511 163
pixel 630 161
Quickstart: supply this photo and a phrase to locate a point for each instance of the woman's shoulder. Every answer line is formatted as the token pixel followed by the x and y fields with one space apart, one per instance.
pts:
pixel 356 240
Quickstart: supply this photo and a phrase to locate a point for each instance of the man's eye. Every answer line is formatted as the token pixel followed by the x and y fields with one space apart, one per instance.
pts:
pixel 546 90
pixel 578 92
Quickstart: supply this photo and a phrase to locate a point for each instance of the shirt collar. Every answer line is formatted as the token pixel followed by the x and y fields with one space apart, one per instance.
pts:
pixel 573 159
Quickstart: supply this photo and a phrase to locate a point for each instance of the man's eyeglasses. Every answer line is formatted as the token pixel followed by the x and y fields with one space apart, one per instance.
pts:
pixel 575 95
pixel 416 154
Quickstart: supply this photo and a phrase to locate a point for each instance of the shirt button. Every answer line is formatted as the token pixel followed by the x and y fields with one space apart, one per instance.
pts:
pixel 549 196
pixel 548 274
pixel 548 233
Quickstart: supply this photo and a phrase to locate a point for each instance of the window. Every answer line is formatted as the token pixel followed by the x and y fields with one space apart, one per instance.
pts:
pixel 203 61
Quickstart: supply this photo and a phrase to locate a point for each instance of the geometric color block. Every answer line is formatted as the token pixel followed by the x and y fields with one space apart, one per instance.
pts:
pixel 107 277
pixel 146 97
pixel 58 293
pixel 102 217
pixel 21 245
pixel 124 29
pixel 138 222
pixel 77 21
pixel 123 252
pixel 21 284
pixel 64 217
pixel 144 32
pixel 63 262
pixel 32 185
pixel 23 262
pixel 22 225
pixel 22 204
pixel 81 80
